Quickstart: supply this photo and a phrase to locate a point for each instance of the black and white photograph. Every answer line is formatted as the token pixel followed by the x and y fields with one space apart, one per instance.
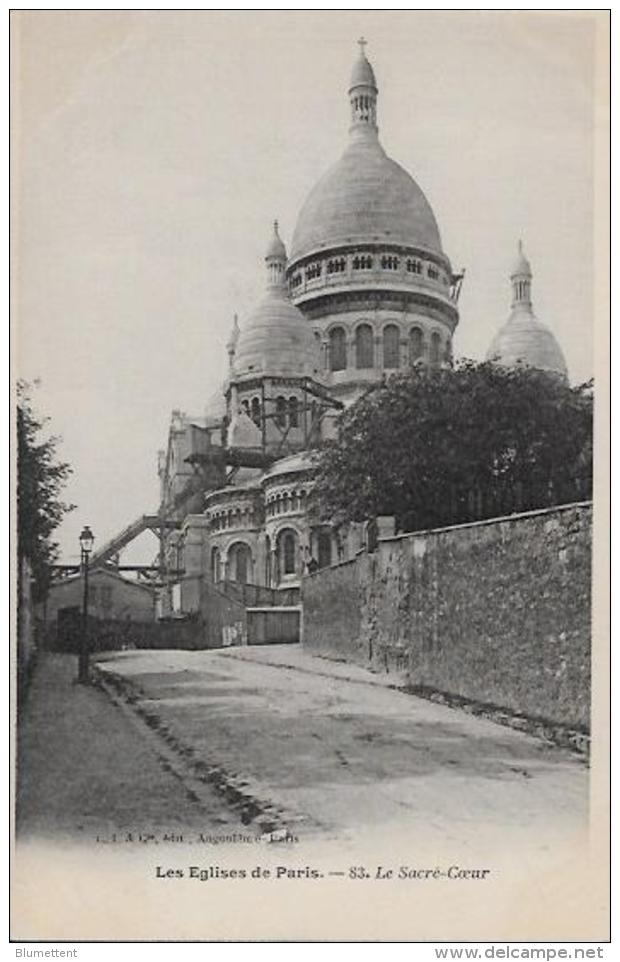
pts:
pixel 310 321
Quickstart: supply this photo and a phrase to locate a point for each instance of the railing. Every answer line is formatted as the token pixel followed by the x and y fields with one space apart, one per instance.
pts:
pixel 259 596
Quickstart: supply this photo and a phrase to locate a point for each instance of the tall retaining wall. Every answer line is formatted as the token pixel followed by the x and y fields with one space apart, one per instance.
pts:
pixel 496 611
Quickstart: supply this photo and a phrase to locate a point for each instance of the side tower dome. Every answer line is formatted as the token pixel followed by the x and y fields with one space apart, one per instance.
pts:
pixel 367 251
pixel 524 339
pixel 274 369
pixel 275 339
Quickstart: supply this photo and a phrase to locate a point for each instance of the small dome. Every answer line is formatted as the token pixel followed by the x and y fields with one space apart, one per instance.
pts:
pixel 276 249
pixel 362 74
pixel 365 197
pixel 277 339
pixel 524 340
pixel 521 265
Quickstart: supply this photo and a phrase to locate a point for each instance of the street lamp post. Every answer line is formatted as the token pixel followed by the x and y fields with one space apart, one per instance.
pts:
pixel 86 546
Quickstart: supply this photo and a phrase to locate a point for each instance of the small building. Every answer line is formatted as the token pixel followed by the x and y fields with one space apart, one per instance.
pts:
pixel 111 598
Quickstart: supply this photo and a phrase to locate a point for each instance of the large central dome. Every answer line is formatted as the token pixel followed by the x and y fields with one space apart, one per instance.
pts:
pixel 365 197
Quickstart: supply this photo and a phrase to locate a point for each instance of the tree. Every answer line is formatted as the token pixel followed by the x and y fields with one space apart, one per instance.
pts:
pixel 40 480
pixel 439 447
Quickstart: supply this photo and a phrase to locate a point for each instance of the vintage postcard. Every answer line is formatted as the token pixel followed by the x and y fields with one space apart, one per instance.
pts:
pixel 310 333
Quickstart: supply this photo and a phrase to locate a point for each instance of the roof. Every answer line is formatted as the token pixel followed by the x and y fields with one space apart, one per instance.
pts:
pixel 277 339
pixel 303 461
pixel 365 197
pixel 362 74
pixel 521 265
pixel 98 573
pixel 276 248
pixel 526 340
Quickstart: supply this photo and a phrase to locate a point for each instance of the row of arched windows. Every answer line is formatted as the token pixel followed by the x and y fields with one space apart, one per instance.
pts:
pixel 287 411
pixel 252 409
pixel 364 347
pixel 337 266
pixel 239 563
pixel 362 103
pixel 390 263
pixel 365 262
pixel 233 518
pixel 285 503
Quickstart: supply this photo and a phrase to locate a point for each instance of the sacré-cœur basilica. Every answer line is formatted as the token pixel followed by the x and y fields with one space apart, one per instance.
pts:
pixel 364 291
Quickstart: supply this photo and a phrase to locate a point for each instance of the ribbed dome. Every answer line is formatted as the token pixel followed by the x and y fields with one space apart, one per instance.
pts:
pixel 365 197
pixel 525 340
pixel 277 339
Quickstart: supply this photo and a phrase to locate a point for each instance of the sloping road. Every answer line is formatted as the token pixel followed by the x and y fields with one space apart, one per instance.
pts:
pixel 335 748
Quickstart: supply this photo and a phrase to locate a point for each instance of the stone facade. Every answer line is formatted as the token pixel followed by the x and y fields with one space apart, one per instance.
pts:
pixel 367 291
pixel 515 634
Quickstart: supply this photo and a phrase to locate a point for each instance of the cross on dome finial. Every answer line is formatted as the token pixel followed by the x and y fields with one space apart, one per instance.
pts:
pixel 363 95
pixel 275 259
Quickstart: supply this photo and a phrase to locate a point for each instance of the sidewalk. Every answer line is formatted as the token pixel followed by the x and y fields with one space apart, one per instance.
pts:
pixel 86 770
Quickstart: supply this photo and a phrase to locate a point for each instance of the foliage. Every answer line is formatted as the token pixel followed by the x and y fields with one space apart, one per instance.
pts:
pixel 40 480
pixel 439 447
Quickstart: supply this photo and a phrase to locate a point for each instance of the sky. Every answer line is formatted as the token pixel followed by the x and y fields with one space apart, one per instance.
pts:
pixel 155 148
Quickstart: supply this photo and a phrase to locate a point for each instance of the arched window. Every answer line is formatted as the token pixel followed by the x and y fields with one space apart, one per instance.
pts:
pixel 281 412
pixel 391 346
pixel 337 349
pixel 293 412
pixel 417 344
pixel 364 347
pixel 216 573
pixel 240 563
pixel 435 355
pixel 288 551
pixel 245 407
pixel 389 262
pixel 256 411
pixel 325 549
